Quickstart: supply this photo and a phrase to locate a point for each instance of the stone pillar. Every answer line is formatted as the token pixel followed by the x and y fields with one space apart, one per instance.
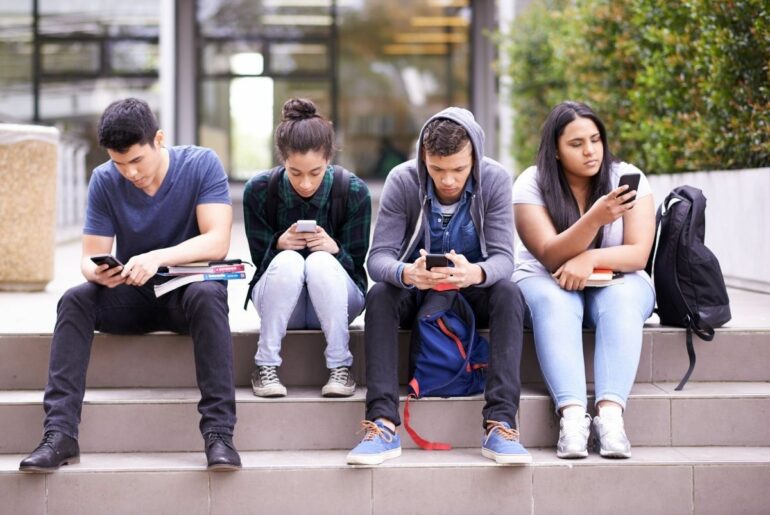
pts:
pixel 28 157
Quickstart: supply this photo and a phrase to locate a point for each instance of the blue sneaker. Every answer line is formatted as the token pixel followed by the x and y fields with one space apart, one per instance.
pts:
pixel 379 444
pixel 501 444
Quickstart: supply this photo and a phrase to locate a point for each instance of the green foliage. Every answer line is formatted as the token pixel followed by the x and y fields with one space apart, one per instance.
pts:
pixel 535 52
pixel 681 85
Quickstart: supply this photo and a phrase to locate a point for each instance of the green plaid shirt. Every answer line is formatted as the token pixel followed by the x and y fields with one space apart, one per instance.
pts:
pixel 352 238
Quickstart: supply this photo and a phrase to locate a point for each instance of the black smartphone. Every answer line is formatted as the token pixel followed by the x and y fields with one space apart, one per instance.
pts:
pixel 101 259
pixel 632 180
pixel 438 260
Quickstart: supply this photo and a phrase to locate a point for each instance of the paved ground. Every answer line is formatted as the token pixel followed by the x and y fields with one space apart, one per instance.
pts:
pixel 36 312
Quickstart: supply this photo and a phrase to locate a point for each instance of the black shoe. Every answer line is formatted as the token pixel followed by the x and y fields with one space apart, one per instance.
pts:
pixel 221 453
pixel 55 450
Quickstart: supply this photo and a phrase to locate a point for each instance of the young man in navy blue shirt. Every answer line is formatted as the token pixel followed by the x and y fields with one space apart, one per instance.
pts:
pixel 161 206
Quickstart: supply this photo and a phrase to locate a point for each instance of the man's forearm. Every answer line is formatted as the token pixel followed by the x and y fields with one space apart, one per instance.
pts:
pixel 205 247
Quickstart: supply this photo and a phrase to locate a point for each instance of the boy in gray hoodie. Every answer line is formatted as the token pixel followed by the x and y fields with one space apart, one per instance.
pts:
pixel 450 200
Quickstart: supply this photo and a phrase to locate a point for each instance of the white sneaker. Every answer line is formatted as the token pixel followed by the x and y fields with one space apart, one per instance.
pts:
pixel 611 437
pixel 265 382
pixel 340 383
pixel 573 437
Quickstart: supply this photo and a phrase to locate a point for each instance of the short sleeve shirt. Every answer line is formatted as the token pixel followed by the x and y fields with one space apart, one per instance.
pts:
pixel 140 222
pixel 527 191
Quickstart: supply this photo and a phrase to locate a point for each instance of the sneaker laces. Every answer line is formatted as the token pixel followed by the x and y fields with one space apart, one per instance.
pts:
pixel 373 430
pixel 508 433
pixel 339 375
pixel 268 375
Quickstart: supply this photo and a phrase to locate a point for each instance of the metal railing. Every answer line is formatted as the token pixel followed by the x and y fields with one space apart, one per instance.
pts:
pixel 71 188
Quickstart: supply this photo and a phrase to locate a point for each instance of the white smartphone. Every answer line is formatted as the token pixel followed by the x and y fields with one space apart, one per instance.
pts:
pixel 306 225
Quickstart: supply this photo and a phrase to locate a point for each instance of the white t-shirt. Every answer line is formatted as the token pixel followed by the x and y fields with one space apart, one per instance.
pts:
pixel 527 191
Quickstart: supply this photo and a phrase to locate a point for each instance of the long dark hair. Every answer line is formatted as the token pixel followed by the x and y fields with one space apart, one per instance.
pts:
pixel 559 200
pixel 302 129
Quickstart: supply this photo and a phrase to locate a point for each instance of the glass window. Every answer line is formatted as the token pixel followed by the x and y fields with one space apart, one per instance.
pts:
pixel 399 64
pixel 79 56
pixel 92 53
pixel 233 57
pixel 392 65
pixel 16 98
pixel 134 56
pixel 298 57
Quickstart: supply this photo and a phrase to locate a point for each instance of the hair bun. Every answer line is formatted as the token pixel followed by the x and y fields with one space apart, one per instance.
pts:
pixel 299 109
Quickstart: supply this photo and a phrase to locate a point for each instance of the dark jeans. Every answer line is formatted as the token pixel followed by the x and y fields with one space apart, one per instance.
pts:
pixel 499 307
pixel 199 309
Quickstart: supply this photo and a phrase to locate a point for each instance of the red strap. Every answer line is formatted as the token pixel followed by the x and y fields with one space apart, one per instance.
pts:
pixel 423 443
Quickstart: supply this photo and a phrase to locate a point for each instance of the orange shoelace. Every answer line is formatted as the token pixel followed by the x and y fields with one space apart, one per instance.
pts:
pixel 373 430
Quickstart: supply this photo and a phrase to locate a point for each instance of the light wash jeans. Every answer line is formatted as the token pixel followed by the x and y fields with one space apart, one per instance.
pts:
pixel 558 316
pixel 312 293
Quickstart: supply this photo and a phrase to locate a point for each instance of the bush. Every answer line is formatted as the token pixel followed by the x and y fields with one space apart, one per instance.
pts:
pixel 681 85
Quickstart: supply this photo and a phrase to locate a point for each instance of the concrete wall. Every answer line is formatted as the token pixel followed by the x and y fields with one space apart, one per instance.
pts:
pixel 737 220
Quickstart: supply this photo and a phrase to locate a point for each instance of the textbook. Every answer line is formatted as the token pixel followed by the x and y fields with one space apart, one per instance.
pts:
pixel 212 267
pixel 603 277
pixel 181 280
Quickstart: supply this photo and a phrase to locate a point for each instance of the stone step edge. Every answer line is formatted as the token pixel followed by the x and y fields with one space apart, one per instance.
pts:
pixel 191 395
pixel 359 330
pixel 411 458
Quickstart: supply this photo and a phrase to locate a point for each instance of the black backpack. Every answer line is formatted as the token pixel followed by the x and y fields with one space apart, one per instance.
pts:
pixel 689 286
pixel 339 206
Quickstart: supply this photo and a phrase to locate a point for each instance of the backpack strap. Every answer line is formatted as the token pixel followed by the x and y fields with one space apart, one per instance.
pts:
pixel 416 438
pixel 272 198
pixel 339 197
pixel 271 212
pixel 705 332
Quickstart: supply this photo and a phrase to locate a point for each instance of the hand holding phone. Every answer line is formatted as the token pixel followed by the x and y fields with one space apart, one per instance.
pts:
pixel 435 260
pixel 306 225
pixel 109 259
pixel 632 181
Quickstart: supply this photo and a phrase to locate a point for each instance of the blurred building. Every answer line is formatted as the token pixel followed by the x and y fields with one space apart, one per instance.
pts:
pixel 217 71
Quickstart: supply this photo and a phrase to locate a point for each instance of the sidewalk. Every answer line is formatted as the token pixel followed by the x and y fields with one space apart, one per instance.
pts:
pixel 35 313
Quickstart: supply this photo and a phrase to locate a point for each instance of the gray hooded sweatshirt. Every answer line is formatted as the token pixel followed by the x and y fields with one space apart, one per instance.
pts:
pixel 402 219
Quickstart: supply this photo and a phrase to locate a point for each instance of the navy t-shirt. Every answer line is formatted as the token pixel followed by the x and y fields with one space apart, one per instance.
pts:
pixel 141 223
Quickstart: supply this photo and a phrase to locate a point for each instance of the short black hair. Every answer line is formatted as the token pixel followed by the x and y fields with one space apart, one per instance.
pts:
pixel 125 123
pixel 444 137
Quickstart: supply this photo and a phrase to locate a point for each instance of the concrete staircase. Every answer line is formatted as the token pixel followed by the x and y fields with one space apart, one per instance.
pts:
pixel 703 450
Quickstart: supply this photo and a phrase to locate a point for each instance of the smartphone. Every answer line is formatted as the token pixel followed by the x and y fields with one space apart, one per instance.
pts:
pixel 632 180
pixel 437 260
pixel 306 225
pixel 101 259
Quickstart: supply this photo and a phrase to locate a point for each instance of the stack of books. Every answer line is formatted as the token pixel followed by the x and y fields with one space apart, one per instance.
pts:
pixel 604 277
pixel 225 270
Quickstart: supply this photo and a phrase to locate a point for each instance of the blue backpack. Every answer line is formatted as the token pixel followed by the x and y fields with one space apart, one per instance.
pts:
pixel 447 356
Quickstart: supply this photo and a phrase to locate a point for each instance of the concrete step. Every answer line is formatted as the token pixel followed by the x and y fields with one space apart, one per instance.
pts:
pixel 165 419
pixel 166 360
pixel 681 480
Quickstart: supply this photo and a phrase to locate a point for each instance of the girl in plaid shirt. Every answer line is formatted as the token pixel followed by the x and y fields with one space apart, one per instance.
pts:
pixel 307 278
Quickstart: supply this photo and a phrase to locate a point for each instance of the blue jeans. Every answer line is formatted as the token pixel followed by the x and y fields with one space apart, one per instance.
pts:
pixel 299 293
pixel 558 316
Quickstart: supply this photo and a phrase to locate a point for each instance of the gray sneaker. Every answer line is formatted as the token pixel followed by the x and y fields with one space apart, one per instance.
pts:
pixel 611 438
pixel 340 383
pixel 265 382
pixel 573 437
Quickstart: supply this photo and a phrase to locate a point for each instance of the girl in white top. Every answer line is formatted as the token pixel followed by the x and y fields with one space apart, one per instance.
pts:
pixel 571 217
